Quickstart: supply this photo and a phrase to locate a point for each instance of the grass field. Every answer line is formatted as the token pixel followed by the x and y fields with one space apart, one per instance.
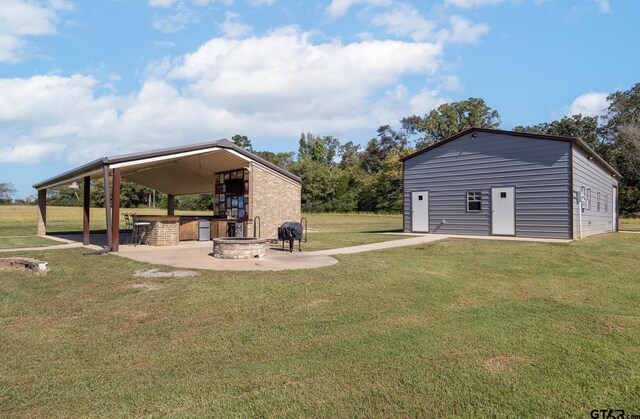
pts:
pixel 630 224
pixel 456 327
pixel 327 230
pixel 18 220
pixel 28 241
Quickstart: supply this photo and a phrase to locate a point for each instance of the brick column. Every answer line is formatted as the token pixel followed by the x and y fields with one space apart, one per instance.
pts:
pixel 171 204
pixel 41 226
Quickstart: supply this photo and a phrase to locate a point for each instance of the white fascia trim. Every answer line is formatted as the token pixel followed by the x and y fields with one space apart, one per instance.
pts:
pixel 173 157
pixel 235 153
pixel 71 180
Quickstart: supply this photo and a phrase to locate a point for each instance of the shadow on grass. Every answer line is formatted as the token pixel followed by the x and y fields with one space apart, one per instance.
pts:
pixel 393 230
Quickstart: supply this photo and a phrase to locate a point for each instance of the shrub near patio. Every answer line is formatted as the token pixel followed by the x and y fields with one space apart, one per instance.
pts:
pixel 473 327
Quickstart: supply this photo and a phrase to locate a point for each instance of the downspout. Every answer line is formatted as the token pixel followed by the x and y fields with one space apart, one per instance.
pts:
pixel 107 209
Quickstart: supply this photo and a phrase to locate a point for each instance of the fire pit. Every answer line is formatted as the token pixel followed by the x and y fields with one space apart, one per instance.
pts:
pixel 239 247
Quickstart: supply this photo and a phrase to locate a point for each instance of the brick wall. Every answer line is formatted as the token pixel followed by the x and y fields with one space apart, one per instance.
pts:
pixel 275 199
pixel 162 233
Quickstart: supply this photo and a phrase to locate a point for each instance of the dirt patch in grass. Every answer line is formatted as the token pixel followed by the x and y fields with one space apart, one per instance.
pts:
pixel 155 273
pixel 620 323
pixel 319 301
pixel 503 363
pixel 35 266
pixel 146 287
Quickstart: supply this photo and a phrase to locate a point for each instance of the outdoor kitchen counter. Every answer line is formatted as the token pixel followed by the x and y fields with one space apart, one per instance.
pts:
pixel 163 230
pixel 169 230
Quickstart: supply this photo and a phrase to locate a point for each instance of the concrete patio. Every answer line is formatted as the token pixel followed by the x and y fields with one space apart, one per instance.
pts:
pixel 198 255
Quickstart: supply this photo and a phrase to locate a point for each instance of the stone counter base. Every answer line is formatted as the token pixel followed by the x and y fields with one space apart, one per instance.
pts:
pixel 162 233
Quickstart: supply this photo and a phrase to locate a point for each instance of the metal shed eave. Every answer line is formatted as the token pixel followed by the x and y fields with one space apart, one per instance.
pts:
pixel 580 143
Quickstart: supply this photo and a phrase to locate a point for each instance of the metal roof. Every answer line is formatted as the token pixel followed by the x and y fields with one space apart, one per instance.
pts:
pixel 577 141
pixel 177 170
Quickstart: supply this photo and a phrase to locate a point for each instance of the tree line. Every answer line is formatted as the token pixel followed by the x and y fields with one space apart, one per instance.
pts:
pixel 340 176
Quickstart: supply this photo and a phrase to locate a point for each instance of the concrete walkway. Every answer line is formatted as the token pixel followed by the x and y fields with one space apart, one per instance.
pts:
pixel 416 239
pixel 413 241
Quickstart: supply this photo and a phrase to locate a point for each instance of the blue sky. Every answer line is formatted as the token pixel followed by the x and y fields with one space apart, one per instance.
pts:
pixel 83 79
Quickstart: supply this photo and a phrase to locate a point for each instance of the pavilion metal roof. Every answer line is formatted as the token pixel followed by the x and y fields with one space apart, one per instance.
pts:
pixel 177 170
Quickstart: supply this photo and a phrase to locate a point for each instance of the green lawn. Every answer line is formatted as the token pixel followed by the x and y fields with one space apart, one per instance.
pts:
pixel 453 328
pixel 329 231
pixel 20 220
pixel 25 241
pixel 630 224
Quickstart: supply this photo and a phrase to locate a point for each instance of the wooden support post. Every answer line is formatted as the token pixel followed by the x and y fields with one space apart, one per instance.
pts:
pixel 115 212
pixel 86 214
pixel 171 204
pixel 41 226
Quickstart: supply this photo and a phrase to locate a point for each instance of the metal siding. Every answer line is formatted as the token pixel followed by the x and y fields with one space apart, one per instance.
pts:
pixel 539 170
pixel 590 175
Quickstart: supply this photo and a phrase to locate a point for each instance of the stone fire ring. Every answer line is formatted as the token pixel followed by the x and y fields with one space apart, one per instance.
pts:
pixel 239 248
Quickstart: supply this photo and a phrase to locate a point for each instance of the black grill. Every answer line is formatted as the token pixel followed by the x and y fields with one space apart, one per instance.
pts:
pixel 290 231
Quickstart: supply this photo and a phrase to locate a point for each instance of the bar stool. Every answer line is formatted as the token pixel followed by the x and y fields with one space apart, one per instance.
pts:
pixel 128 225
pixel 138 230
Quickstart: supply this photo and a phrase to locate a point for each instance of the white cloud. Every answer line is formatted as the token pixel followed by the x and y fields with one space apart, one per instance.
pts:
pixel 338 8
pixel 260 3
pixel 21 19
pixel 470 4
pixel 604 6
pixel 591 104
pixel 232 27
pixel 170 3
pixel 462 31
pixel 28 153
pixel 178 14
pixel 291 84
pixel 175 22
pixel 425 101
pixel 162 3
pixel 404 20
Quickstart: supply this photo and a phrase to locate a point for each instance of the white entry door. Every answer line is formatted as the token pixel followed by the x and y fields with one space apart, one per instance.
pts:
pixel 420 212
pixel 503 211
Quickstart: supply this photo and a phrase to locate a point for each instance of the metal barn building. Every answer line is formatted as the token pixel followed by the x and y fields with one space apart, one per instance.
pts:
pixel 487 182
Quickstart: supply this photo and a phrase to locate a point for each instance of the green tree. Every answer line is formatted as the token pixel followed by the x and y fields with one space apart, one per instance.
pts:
pixel 622 133
pixel 133 195
pixel 195 202
pixel 312 147
pixel 7 192
pixel 350 155
pixel 242 141
pixel 316 184
pixel 449 119
pixel 281 159
pixel 578 126
pixel 380 160
pixel 379 149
